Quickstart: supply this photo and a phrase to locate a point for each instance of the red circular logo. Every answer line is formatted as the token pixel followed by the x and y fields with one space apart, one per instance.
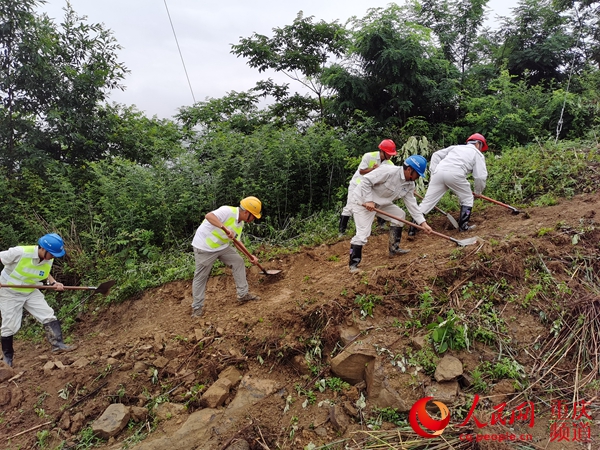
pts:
pixel 419 418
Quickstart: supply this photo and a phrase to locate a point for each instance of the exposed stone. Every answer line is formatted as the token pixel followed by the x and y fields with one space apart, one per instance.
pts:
pixel 388 387
pixel 197 428
pixel 6 372
pixel 112 421
pixel 138 414
pixel 465 380
pixel 81 363
pixel 502 391
pixel 350 409
pixel 160 362
pixel 58 363
pixel 171 351
pixel 77 422
pixel 166 411
pixel 216 394
pixel 139 366
pixel 338 419
pixel 5 395
pixel 239 444
pixel 350 364
pixel 49 366
pixel 65 421
pixel 232 374
pixel 418 342
pixel 251 391
pixel 448 368
pixel 16 396
pixel 445 391
pixel 348 334
pixel 172 367
pixel 299 363
pixel 321 431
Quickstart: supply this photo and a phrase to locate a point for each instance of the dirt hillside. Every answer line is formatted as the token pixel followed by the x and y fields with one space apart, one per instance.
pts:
pixel 303 310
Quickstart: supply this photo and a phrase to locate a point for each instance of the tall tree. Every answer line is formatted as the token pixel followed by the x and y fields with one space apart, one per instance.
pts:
pixel 539 45
pixel 456 25
pixel 586 18
pixel 52 80
pixel 395 71
pixel 300 50
pixel 23 64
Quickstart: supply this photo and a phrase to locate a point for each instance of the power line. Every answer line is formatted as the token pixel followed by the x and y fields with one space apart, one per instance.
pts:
pixel 559 125
pixel 180 54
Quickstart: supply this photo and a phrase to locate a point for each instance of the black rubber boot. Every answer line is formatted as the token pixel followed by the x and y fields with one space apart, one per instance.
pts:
pixel 463 221
pixel 412 231
pixel 355 257
pixel 381 223
pixel 395 236
pixel 7 349
pixel 54 335
pixel 343 224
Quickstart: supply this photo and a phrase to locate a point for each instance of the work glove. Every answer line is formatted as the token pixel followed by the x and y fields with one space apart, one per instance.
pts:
pixel 479 186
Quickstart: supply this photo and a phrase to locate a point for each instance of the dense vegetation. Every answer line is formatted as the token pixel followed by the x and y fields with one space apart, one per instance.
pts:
pixel 127 191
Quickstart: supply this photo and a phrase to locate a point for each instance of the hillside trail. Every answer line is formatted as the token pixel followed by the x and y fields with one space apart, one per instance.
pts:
pixel 259 337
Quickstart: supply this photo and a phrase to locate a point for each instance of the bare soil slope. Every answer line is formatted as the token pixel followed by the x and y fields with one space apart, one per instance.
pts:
pixel 312 298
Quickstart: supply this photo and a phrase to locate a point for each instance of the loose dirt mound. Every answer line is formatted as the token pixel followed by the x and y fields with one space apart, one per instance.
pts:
pixel 149 349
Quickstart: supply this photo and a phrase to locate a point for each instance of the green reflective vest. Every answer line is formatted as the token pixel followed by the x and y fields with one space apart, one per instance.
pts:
pixel 218 238
pixel 26 272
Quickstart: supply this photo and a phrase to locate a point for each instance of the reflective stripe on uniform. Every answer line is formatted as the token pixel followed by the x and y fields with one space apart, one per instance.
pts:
pixel 218 238
pixel 26 272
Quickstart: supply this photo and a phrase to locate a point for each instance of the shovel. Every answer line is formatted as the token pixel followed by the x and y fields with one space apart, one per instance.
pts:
pixel 462 242
pixel 103 289
pixel 448 215
pixel 242 248
pixel 512 208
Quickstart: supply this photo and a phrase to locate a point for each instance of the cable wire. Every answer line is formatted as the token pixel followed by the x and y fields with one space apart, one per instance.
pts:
pixel 559 125
pixel 180 54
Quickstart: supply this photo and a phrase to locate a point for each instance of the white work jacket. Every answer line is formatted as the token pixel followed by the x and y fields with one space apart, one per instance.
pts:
pixel 385 185
pixel 463 159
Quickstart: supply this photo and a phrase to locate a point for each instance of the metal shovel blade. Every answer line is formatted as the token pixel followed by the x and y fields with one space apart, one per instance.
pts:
pixel 465 242
pixel 104 288
pixel 244 250
pixel 452 220
pixel 271 272
pixel 448 215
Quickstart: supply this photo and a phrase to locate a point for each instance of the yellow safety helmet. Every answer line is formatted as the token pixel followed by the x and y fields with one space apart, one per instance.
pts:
pixel 252 205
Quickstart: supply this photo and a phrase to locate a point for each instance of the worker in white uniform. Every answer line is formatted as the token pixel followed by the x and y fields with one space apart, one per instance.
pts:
pixel 369 162
pixel 379 189
pixel 449 168
pixel 29 265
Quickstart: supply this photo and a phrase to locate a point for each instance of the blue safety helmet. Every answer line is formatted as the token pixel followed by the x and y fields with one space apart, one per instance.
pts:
pixel 418 163
pixel 53 244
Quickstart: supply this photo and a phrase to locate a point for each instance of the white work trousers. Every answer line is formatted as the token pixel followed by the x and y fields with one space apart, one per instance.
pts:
pixel 438 185
pixel 11 307
pixel 363 219
pixel 347 210
pixel 204 263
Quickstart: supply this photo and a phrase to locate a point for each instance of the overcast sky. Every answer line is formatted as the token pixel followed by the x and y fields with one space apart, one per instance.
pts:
pixel 157 82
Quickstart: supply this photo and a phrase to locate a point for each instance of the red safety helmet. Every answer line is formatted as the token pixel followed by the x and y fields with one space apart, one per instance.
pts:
pixel 388 147
pixel 480 138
